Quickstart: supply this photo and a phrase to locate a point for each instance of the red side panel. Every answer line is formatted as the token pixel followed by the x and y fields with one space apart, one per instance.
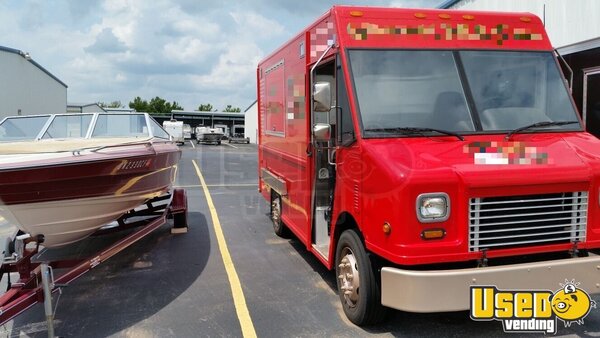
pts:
pixel 283 79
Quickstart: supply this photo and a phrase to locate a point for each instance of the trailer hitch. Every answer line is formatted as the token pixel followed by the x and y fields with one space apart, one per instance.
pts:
pixel 574 251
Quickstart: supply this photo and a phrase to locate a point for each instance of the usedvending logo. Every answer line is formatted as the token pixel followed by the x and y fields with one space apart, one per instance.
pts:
pixel 532 311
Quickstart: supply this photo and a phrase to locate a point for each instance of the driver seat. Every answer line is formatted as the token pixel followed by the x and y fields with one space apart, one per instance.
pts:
pixel 449 112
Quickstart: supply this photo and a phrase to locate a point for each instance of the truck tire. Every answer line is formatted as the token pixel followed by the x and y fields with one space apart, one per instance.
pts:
pixel 218 143
pixel 357 284
pixel 278 227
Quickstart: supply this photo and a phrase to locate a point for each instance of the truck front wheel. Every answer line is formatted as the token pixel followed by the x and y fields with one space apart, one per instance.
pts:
pixel 357 285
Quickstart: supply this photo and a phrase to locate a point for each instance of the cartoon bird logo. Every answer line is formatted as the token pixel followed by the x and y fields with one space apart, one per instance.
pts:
pixel 571 304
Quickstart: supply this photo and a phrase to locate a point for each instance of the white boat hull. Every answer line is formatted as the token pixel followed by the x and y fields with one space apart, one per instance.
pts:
pixel 67 221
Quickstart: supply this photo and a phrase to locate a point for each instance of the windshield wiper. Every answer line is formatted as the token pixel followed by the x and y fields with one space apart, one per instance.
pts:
pixel 539 125
pixel 416 130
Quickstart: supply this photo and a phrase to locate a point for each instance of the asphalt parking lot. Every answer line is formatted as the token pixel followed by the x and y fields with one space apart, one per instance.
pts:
pixel 185 285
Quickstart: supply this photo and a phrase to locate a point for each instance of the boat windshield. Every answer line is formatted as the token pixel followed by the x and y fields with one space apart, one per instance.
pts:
pixel 70 126
pixel 459 91
pixel 125 125
pixel 158 131
pixel 22 127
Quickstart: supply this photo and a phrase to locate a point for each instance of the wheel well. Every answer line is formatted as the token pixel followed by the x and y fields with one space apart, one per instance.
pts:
pixel 274 194
pixel 345 222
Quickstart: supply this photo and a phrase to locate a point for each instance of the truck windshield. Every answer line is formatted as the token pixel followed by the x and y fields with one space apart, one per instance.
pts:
pixel 491 91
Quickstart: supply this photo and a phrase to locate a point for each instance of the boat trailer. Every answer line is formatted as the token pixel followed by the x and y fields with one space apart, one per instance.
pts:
pixel 35 265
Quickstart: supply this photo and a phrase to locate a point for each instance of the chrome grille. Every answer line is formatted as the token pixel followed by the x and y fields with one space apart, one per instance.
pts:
pixel 514 221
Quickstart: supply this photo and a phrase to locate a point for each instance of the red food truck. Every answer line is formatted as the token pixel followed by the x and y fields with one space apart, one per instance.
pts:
pixel 420 153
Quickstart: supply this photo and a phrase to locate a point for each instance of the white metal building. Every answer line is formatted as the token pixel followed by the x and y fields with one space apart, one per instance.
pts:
pixel 251 122
pixel 27 88
pixel 75 108
pixel 574 30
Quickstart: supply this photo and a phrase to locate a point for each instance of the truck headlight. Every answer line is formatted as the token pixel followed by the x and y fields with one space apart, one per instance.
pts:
pixel 433 207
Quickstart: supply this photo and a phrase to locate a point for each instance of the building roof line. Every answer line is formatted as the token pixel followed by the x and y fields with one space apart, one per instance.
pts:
pixel 206 113
pixel 579 46
pixel 23 54
pixel 250 106
pixel 82 104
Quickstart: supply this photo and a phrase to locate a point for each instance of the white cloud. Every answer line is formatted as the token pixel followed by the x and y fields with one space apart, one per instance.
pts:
pixel 189 51
pixel 255 25
pixel 192 26
pixel 106 42
pixel 236 66
pixel 415 3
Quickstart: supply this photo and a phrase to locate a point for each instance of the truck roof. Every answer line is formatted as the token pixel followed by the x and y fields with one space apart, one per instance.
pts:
pixel 378 27
pixel 438 28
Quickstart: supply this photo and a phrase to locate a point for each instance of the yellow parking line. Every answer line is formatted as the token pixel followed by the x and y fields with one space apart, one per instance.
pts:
pixel 240 185
pixel 236 287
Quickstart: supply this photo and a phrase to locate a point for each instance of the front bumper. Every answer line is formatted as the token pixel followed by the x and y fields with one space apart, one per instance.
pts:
pixel 448 290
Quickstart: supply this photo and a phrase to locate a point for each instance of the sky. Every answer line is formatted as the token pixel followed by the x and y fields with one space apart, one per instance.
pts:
pixel 189 51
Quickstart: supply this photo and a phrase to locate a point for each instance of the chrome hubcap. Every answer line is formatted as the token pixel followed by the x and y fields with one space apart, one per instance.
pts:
pixel 349 280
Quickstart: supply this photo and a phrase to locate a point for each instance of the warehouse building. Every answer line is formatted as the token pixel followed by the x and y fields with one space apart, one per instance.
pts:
pixel 251 122
pixel 26 88
pixel 574 30
pixel 228 121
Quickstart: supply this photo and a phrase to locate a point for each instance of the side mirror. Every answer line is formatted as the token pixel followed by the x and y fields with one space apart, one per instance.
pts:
pixel 322 132
pixel 322 97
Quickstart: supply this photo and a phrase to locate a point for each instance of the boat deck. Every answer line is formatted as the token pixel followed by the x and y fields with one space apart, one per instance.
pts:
pixel 62 145
pixel 177 285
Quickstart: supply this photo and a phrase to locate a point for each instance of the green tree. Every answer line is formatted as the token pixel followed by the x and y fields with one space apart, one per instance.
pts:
pixel 230 109
pixel 139 105
pixel 113 104
pixel 205 107
pixel 156 105
pixel 175 106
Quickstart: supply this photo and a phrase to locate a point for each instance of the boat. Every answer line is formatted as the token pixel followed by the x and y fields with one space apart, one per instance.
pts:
pixel 64 176
pixel 209 135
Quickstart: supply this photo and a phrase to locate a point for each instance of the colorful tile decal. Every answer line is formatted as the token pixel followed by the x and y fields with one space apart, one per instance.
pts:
pixel 295 97
pixel 320 37
pixel 506 153
pixel 443 31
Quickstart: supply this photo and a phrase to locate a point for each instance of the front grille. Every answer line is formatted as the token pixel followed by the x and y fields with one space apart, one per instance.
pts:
pixel 516 221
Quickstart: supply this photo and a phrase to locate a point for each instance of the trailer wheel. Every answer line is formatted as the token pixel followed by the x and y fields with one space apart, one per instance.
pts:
pixel 357 284
pixel 278 226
